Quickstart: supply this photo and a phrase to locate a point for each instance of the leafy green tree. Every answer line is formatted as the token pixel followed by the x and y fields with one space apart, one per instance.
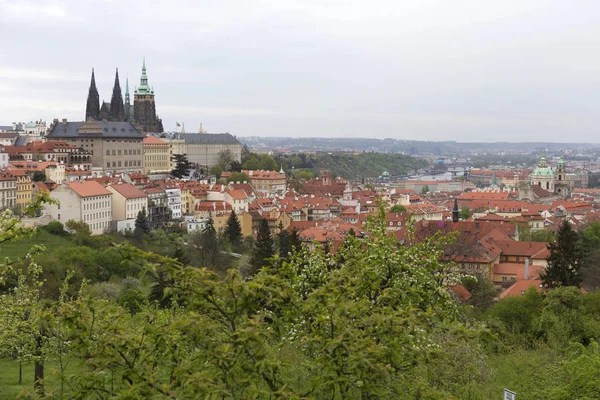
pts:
pixel 233 231
pixel 39 176
pixel 216 171
pixel 398 208
pixel 565 260
pixel 465 213
pixel 55 228
pixel 81 231
pixel 133 300
pixel 483 292
pixel 225 159
pixel 207 246
pixel 263 248
pixel 303 174
pixel 238 177
pixel 182 166
pixel 425 189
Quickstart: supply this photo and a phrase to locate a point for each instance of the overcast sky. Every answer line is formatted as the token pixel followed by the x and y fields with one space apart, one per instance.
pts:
pixel 511 70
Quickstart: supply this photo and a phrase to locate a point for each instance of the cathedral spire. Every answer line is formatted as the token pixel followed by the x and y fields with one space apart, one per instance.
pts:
pixel 93 101
pixel 117 110
pixel 143 88
pixel 128 110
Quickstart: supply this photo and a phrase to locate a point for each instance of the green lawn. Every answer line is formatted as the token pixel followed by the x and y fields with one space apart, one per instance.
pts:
pixel 21 247
pixel 9 377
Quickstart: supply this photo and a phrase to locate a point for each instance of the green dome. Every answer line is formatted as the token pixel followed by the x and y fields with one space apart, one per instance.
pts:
pixel 385 173
pixel 542 171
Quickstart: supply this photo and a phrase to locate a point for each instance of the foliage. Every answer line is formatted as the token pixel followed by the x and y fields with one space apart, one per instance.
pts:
pixel 565 259
pixel 38 176
pixel 55 228
pixel 352 166
pixel 263 248
pixel 233 231
pixel 483 292
pixel 398 208
pixel 225 159
pixel 81 231
pixel 465 213
pixel 425 189
pixel 182 166
pixel 216 171
pixel 142 224
pixel 238 177
pixel 304 174
pixel 260 162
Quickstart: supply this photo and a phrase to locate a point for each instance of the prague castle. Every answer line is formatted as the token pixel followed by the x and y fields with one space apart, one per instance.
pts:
pixel 142 113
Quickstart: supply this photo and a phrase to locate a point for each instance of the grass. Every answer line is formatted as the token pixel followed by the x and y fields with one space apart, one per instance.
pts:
pixel 9 377
pixel 20 247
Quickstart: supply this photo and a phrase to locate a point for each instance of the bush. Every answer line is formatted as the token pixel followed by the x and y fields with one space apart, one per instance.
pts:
pixel 55 228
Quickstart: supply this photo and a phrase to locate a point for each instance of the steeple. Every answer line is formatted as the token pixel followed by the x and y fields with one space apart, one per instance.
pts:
pixel 143 88
pixel 117 110
pixel 455 211
pixel 128 109
pixel 92 107
pixel 543 160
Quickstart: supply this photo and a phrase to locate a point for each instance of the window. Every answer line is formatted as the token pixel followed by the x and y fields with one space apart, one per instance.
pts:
pixel 108 165
pixel 114 153
pixel 107 152
pixel 119 152
pixel 119 163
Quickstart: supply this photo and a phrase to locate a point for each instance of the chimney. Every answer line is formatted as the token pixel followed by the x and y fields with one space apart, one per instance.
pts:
pixel 526 268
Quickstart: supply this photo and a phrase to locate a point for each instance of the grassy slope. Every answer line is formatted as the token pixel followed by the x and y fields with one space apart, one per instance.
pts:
pixel 21 247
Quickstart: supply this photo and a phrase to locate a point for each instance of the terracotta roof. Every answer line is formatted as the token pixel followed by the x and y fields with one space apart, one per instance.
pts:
pixel 461 292
pixel 519 288
pixel 154 140
pixel 129 191
pixel 88 188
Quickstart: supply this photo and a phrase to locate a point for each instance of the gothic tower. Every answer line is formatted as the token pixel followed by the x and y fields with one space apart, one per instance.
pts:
pixel 92 109
pixel 144 108
pixel 128 108
pixel 117 111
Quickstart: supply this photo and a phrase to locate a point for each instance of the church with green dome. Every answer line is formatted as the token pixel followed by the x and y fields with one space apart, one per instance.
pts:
pixel 553 181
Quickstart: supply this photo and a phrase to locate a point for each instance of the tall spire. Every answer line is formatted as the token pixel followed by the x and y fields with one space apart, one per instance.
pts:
pixel 128 110
pixel 455 211
pixel 117 110
pixel 143 88
pixel 92 107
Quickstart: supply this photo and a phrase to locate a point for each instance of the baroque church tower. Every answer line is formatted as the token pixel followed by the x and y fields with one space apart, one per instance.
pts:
pixel 144 108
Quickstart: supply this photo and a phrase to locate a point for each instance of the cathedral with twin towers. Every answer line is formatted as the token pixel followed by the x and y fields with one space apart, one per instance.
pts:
pixel 142 113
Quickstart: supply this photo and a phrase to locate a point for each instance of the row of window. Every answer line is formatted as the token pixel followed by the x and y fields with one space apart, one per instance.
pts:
pixel 117 152
pixel 93 216
pixel 128 163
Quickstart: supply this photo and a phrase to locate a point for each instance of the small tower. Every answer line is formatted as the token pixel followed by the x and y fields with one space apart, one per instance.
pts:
pixel 92 108
pixel 455 211
pixel 128 108
pixel 144 108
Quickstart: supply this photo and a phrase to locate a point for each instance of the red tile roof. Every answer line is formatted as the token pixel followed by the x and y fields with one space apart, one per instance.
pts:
pixel 88 188
pixel 129 191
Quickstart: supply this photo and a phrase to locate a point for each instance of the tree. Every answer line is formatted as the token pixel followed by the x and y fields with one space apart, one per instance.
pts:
pixel 216 171
pixel 39 176
pixel 425 189
pixel 303 174
pixel 238 177
pixel 565 260
pixel 283 241
pixel 182 166
pixel 55 228
pixel 208 248
pixel 81 231
pixel 225 159
pixel 398 208
pixel 233 231
pixel 294 239
pixel 263 248
pixel 465 213
pixel 142 224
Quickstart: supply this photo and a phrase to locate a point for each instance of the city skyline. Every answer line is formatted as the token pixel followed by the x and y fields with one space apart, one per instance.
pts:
pixel 420 70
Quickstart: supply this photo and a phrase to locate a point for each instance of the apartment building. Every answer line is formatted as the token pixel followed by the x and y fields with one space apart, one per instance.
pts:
pixel 157 156
pixel 8 190
pixel 127 201
pixel 86 201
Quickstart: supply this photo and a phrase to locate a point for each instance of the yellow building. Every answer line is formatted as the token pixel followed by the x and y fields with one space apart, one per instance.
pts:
pixel 157 156
pixel 24 188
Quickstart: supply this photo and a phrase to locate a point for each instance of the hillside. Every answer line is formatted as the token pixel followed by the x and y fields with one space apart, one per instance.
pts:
pixel 355 166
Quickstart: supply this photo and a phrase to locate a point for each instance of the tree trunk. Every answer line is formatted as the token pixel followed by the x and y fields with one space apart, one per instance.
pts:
pixel 20 372
pixel 38 382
